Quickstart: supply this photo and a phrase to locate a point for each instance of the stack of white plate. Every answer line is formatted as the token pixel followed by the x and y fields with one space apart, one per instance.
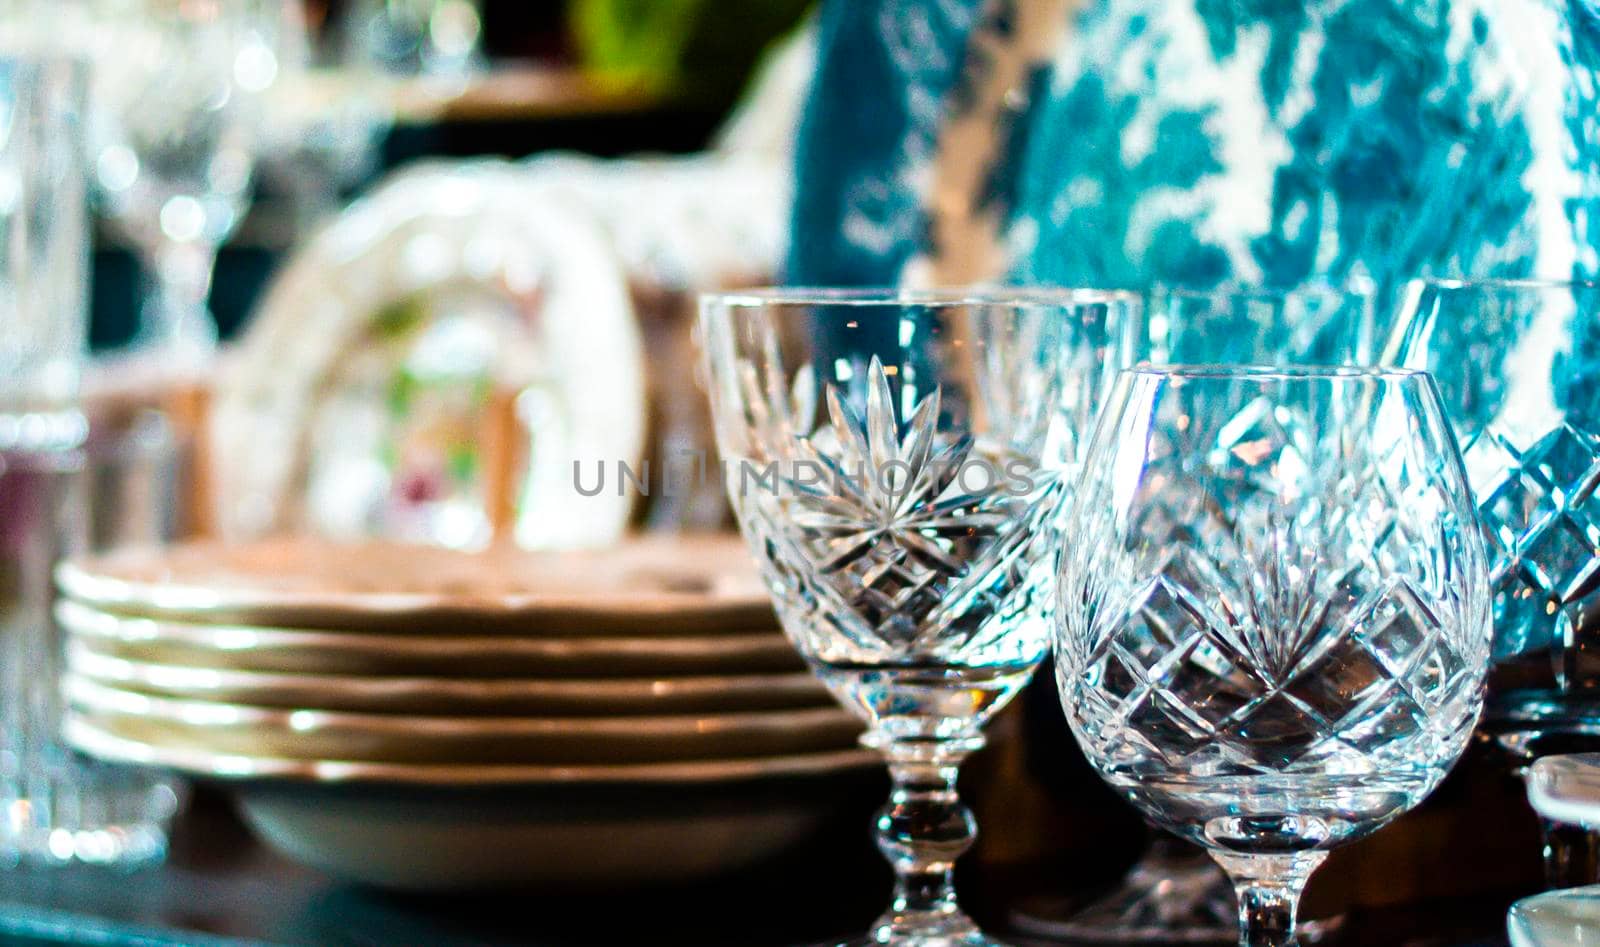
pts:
pixel 422 718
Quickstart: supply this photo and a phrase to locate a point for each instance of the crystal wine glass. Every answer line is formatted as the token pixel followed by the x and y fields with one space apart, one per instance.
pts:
pixel 1274 623
pixel 1175 894
pixel 893 458
pixel 1515 360
pixel 176 98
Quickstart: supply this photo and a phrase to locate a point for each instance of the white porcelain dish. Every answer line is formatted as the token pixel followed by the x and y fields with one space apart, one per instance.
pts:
pixel 646 585
pixel 473 244
pixel 296 651
pixel 245 730
pixel 204 764
pixel 446 842
pixel 453 695
pixel 453 828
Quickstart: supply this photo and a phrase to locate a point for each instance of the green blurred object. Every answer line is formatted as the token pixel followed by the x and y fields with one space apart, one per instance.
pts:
pixel 698 48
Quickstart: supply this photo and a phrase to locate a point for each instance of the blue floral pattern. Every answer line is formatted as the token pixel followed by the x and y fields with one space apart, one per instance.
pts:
pixel 1205 141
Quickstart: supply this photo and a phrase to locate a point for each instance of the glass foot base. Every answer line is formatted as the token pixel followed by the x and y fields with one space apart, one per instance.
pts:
pixel 973 938
pixel 1166 899
pixel 937 930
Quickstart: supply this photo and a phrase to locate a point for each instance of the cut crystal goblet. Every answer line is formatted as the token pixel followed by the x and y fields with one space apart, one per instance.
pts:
pixel 1274 612
pixel 895 459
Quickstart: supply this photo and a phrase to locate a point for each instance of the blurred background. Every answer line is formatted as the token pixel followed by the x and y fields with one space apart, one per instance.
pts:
pixel 387 269
pixel 462 78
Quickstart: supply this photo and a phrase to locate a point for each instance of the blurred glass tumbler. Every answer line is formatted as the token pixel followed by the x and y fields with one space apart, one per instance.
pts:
pixel 55 807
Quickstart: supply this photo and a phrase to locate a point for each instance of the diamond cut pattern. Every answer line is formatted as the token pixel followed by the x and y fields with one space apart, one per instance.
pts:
pixel 1321 625
pixel 1362 678
pixel 1543 520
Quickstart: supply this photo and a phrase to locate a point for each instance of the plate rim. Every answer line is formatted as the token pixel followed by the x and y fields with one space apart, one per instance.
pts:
pixel 87 580
pixel 88 621
pixel 88 696
pixel 84 661
pixel 235 769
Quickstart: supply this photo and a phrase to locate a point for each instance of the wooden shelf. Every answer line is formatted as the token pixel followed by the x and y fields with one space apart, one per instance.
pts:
pixel 516 93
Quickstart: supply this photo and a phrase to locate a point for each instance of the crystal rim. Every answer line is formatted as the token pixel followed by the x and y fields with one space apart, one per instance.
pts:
pixel 1358 288
pixel 1276 372
pixel 867 297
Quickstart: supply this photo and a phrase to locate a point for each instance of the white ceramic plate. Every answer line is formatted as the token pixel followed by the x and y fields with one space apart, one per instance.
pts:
pixel 644 585
pixel 475 237
pixel 253 648
pixel 439 828
pixel 448 844
pixel 447 695
pixel 445 842
pixel 205 764
pixel 244 730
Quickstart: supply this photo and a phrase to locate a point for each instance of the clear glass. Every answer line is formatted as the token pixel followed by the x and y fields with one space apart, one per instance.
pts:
pixel 1275 625
pixel 44 251
pixel 439 39
pixel 324 122
pixel 1515 362
pixel 177 92
pixel 1171 896
pixel 1564 789
pixel 894 460
pixel 54 806
pixel 1311 324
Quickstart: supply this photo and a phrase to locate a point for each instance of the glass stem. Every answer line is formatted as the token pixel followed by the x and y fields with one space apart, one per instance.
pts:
pixel 177 319
pixel 1571 855
pixel 1269 888
pixel 922 830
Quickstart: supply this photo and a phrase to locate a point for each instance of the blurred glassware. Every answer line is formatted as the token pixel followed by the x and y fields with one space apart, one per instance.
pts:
pixel 44 254
pixel 1171 895
pixel 58 807
pixel 325 118
pixel 1309 324
pixel 682 446
pixel 438 39
pixel 177 90
pixel 1565 791
pixel 893 457
pixel 1515 361
pixel 1567 918
pixel 1276 623
pixel 139 470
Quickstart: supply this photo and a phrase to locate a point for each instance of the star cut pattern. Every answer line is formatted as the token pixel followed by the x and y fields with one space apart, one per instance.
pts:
pixel 891 556
pixel 892 529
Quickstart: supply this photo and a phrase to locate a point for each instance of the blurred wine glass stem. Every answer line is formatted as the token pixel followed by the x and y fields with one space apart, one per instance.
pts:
pixel 922 830
pixel 177 321
pixel 1269 888
pixel 1571 855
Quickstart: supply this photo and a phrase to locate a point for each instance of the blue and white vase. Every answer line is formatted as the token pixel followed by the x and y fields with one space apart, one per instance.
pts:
pixel 1202 142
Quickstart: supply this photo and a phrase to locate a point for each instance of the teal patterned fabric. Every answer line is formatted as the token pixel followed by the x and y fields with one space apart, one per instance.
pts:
pixel 1207 141
pixel 886 68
